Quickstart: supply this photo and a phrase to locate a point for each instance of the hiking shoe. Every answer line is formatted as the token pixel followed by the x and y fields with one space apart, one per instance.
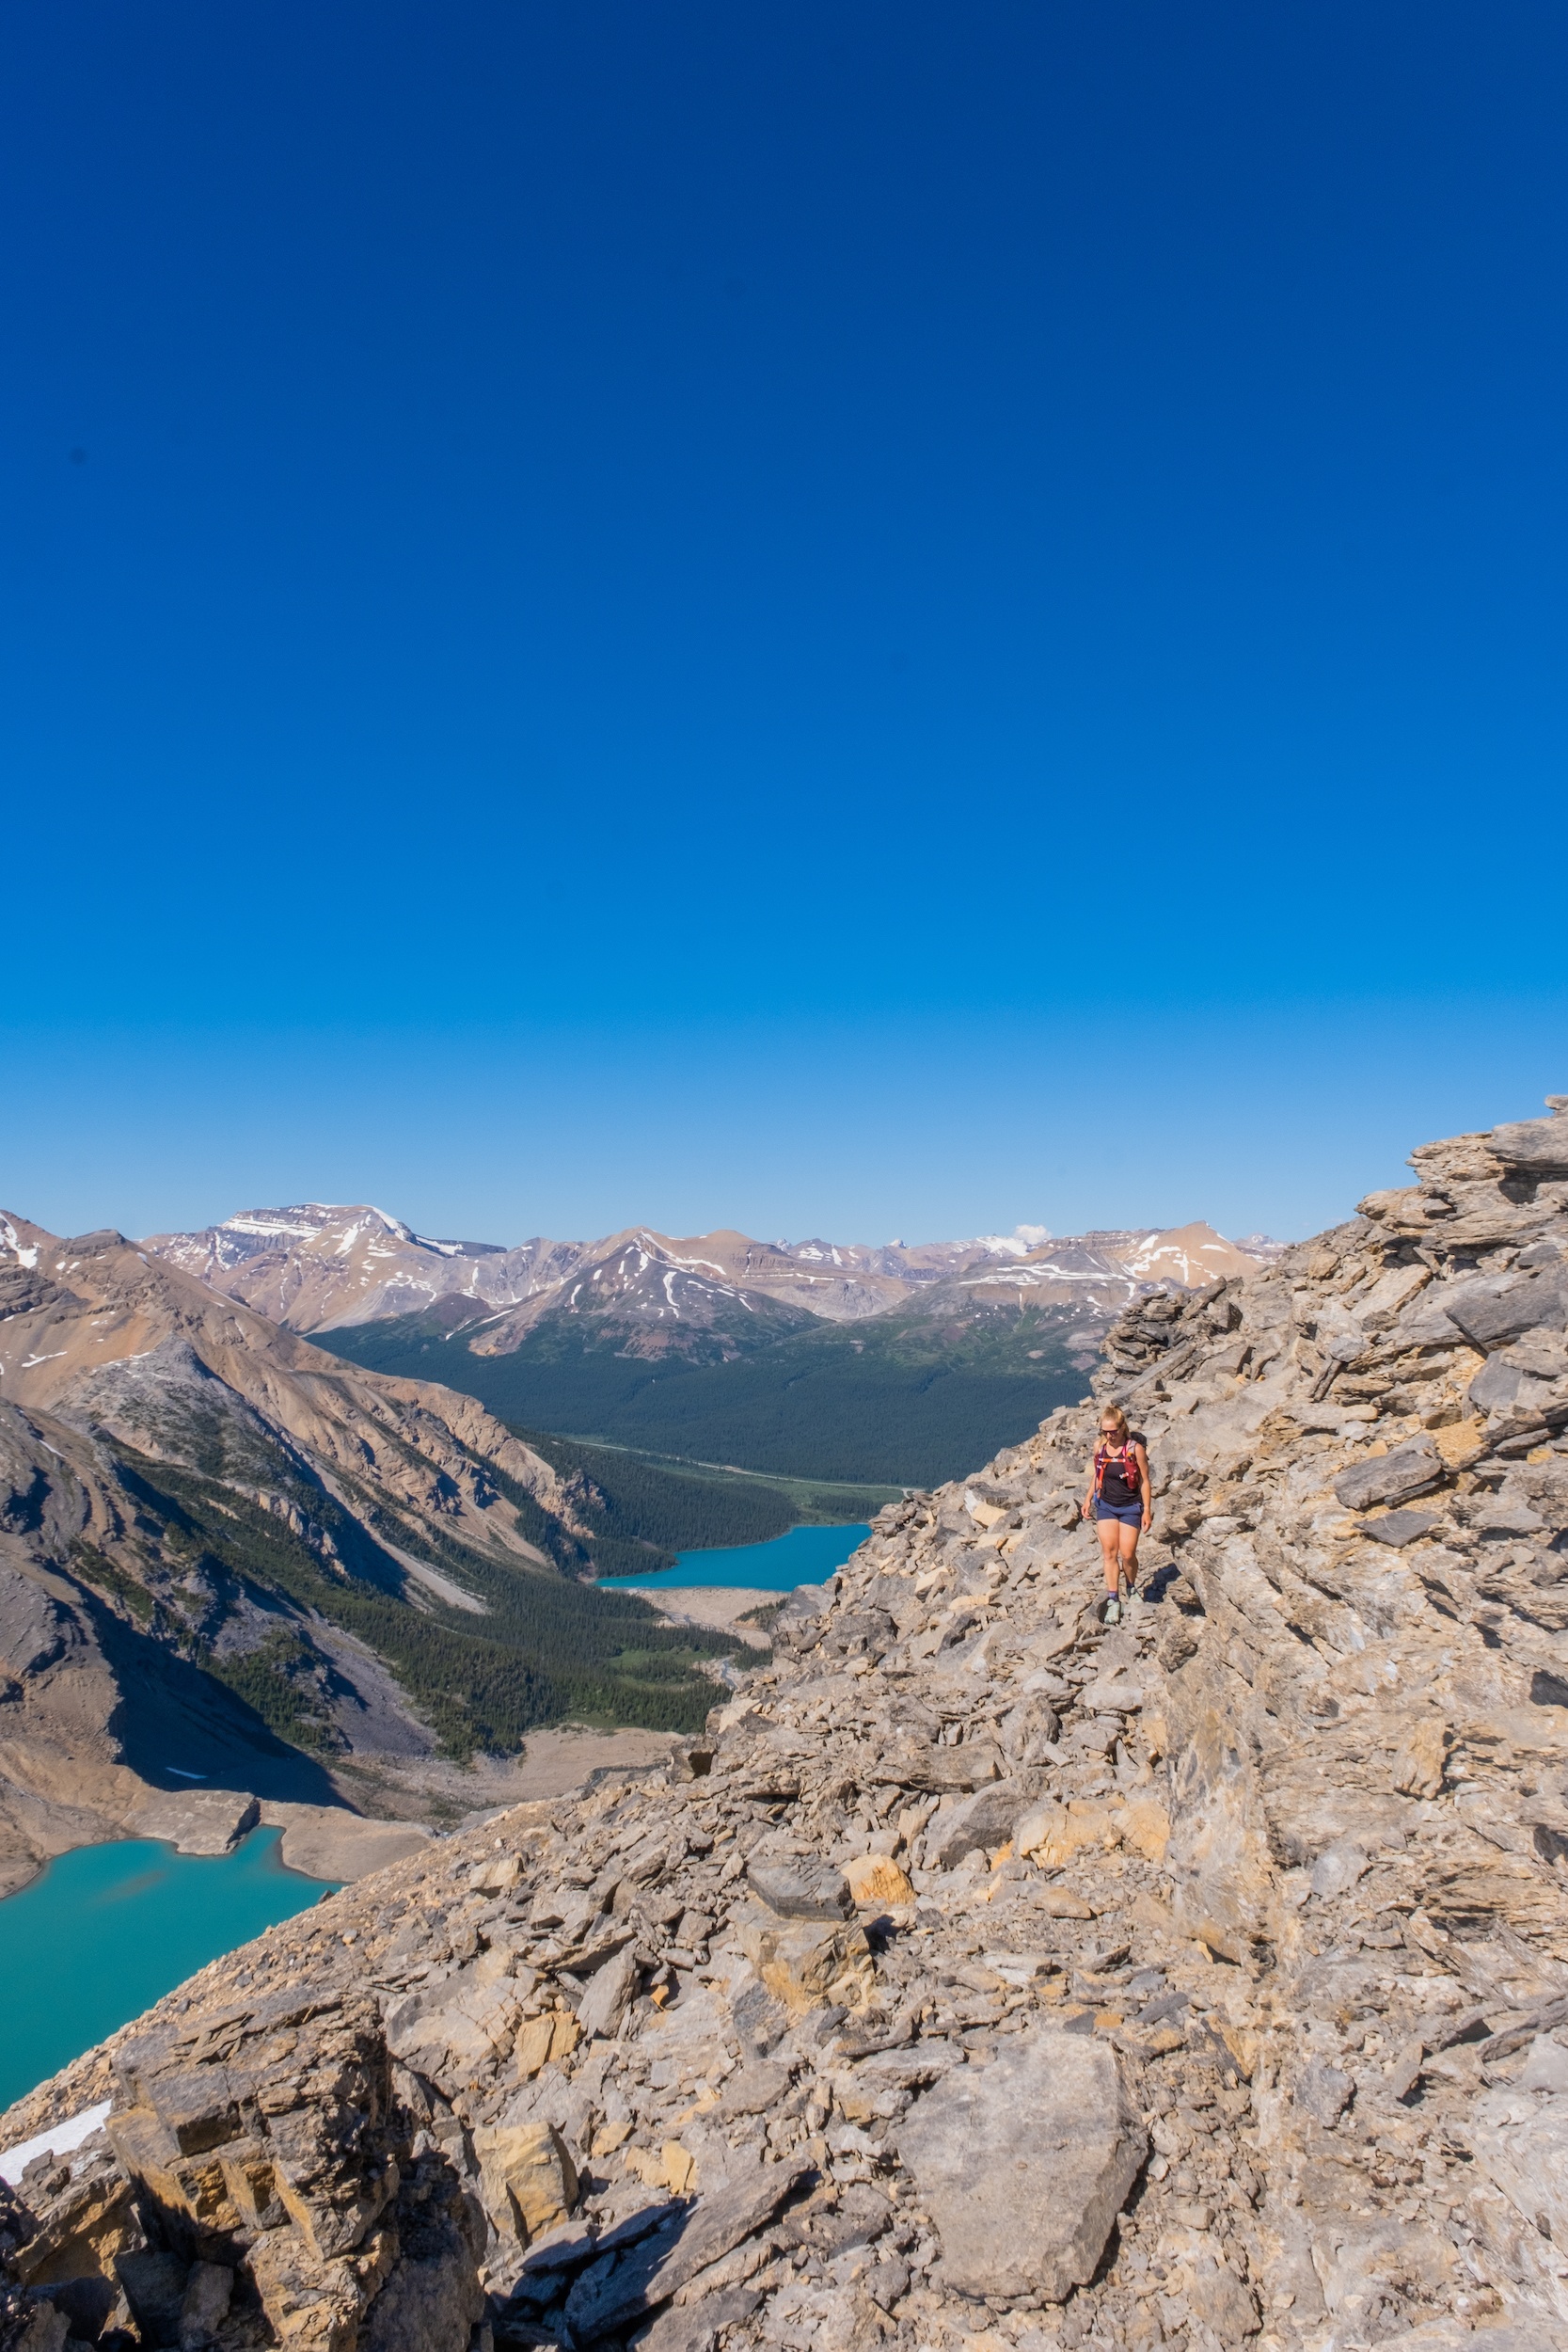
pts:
pixel 1113 1612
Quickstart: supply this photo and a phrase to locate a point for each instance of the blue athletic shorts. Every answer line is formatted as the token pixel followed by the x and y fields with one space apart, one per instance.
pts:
pixel 1132 1516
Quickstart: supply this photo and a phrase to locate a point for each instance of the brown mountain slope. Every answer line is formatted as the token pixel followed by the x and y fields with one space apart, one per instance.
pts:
pixel 230 1557
pixel 96 1326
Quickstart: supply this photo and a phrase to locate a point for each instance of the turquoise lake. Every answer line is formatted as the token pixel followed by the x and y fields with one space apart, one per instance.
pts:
pixel 106 1931
pixel 806 1555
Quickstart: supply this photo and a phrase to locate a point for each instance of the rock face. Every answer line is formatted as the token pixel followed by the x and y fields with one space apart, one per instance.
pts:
pixel 1219 1989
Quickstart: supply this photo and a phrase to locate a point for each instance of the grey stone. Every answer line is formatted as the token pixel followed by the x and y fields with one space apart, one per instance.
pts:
pixel 1024 2165
pixel 1540 1145
pixel 1120 1692
pixel 885 2281
pixel 1223 2303
pixel 759 2019
pixel 1537 1303
pixel 801 1891
pixel 206 2304
pixel 1495 1385
pixel 1502 1514
pixel 981 1822
pixel 1325 2092
pixel 752 2090
pixel 1400 1527
pixel 1338 1869
pixel 697 2327
pixel 609 1995
pixel 610 2294
pixel 858 2215
pixel 1410 1470
pixel 155 2287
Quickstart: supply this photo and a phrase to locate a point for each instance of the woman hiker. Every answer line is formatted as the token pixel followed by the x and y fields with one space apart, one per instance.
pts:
pixel 1120 1502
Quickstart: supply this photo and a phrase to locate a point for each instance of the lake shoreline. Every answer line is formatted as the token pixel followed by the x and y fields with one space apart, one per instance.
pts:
pixel 804 1555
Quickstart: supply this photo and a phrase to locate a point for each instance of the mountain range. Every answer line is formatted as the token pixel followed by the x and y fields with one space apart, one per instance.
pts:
pixel 814 1358
pixel 315 1267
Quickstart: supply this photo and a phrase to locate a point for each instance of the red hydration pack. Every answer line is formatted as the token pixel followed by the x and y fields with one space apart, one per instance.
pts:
pixel 1105 1456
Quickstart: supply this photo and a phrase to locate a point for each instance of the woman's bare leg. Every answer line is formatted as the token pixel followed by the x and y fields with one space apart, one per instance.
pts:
pixel 1127 1547
pixel 1108 1531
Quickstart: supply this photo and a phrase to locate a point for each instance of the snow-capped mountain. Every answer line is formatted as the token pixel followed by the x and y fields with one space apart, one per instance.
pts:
pixel 315 1267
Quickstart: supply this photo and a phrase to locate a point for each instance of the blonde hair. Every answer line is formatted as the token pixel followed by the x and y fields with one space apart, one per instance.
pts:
pixel 1114 1412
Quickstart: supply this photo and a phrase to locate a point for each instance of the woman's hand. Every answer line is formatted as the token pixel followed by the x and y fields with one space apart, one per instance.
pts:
pixel 1149 1521
pixel 1083 1508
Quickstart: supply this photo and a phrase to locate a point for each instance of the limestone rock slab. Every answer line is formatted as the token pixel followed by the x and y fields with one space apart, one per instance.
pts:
pixel 1024 2165
pixel 1410 1470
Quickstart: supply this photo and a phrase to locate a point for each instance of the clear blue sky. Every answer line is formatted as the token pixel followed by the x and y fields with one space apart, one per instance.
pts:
pixel 890 619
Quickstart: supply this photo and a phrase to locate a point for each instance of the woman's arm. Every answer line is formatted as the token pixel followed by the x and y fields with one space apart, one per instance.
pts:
pixel 1142 1454
pixel 1088 1499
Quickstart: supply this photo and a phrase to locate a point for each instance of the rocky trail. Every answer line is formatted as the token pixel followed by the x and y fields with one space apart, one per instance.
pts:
pixel 987 1977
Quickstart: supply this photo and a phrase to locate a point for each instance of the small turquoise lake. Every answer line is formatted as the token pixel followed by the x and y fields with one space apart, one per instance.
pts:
pixel 106 1931
pixel 807 1555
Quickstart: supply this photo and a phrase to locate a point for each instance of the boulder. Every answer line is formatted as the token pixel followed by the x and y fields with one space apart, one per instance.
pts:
pixel 529 2181
pixel 801 1893
pixel 1024 2165
pixel 1538 1145
pixel 1324 2091
pixel 1410 1470
pixel 608 1996
pixel 805 1962
pixel 205 2306
pixel 154 2286
pixel 1421 1758
pixel 620 2288
pixel 983 1823
pixel 875 1880
pixel 943 1771
pixel 1539 1302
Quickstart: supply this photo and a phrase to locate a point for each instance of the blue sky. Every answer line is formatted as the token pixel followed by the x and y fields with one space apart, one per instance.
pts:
pixel 890 620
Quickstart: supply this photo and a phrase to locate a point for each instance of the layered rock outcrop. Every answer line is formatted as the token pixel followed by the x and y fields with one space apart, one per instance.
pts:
pixel 1208 1978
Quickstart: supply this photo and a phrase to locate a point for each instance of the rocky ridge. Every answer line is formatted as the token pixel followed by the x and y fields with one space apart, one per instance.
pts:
pixel 987 1976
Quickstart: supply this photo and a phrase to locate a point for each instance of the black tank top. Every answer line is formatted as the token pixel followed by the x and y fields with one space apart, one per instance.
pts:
pixel 1115 1488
